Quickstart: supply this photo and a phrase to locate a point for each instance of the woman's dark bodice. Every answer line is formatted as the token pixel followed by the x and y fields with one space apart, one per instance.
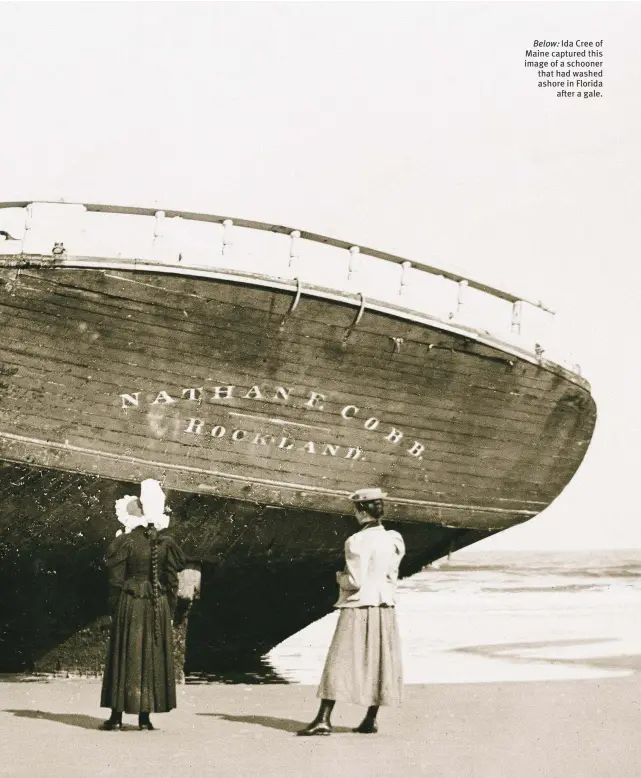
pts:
pixel 129 559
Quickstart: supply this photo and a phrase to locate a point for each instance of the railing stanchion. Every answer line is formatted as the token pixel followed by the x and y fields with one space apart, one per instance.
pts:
pixel 405 268
pixel 159 224
pixel 367 265
pixel 460 297
pixel 354 253
pixel 294 248
pixel 227 237
pixel 517 316
pixel 159 233
pixel 28 221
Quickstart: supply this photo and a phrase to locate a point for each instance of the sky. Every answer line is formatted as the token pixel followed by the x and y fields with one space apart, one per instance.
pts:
pixel 411 127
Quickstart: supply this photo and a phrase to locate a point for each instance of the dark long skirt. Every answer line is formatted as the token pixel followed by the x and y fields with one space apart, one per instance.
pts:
pixel 364 664
pixel 139 673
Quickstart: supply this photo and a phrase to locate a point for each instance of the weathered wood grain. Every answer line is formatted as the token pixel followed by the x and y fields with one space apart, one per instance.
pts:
pixel 489 432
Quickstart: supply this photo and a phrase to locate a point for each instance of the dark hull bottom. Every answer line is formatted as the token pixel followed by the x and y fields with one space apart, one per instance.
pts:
pixel 267 572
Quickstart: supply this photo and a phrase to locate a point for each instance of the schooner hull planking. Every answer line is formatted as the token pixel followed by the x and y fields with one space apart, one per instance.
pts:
pixel 260 401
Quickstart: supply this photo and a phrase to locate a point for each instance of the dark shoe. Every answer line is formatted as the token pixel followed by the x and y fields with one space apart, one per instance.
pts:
pixel 144 723
pixel 316 728
pixel 112 725
pixel 366 728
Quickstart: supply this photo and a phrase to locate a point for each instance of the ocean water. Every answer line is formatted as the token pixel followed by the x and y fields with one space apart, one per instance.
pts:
pixel 508 616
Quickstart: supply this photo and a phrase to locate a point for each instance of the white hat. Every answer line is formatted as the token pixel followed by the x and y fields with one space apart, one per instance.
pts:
pixel 152 496
pixel 368 494
pixel 152 499
pixel 129 520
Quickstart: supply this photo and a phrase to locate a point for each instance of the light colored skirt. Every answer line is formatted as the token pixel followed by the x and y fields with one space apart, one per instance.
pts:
pixel 364 665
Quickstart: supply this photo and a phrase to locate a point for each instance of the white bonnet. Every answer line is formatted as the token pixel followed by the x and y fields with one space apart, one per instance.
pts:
pixel 152 500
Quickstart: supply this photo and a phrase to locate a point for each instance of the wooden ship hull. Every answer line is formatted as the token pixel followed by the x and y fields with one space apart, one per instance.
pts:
pixel 260 403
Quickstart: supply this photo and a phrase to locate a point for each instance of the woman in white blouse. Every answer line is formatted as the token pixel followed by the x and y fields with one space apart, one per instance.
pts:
pixel 363 665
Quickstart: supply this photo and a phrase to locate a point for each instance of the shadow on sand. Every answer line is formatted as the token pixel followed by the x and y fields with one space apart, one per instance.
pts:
pixel 245 670
pixel 286 725
pixel 257 677
pixel 71 719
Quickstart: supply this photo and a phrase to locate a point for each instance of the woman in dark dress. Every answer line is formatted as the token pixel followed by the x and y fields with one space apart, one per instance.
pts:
pixel 143 579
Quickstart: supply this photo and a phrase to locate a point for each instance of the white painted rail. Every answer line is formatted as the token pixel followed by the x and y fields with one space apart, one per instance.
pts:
pixel 198 241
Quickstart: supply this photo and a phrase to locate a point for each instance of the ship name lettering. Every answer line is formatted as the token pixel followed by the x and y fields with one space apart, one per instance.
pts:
pixel 417 449
pixel 225 392
pixel 164 398
pixel 281 394
pixel 130 400
pixel 195 426
pixel 222 392
pixel 311 400
pixel 254 394
pixel 315 400
pixel 393 436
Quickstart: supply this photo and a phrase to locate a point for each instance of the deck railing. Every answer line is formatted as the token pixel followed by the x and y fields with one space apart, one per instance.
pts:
pixel 82 231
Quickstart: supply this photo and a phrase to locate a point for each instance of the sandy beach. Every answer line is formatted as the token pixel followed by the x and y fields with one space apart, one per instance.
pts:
pixel 513 669
pixel 555 729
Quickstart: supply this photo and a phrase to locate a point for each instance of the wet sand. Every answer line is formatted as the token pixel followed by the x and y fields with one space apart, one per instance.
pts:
pixel 585 728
